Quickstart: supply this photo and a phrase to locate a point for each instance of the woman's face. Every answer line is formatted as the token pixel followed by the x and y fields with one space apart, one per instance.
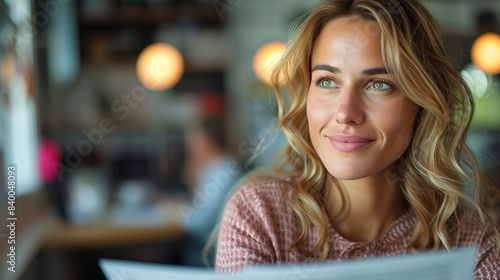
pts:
pixel 360 121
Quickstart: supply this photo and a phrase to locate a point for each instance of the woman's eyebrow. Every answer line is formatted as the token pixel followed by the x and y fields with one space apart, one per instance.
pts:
pixel 375 71
pixel 335 70
pixel 326 68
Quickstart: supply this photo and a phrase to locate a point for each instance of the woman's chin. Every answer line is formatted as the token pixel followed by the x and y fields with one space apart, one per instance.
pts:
pixel 347 174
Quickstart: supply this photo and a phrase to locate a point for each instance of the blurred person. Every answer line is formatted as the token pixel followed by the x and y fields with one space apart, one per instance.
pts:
pixel 210 172
pixel 377 164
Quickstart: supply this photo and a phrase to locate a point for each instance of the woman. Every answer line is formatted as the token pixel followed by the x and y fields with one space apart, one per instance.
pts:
pixel 376 120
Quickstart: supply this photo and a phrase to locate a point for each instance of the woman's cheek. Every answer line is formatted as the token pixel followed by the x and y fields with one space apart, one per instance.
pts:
pixel 319 110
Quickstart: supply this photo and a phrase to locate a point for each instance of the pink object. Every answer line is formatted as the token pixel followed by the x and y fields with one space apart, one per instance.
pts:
pixel 50 160
pixel 259 227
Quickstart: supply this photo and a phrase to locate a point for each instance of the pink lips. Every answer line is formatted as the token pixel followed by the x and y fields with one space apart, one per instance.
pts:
pixel 349 143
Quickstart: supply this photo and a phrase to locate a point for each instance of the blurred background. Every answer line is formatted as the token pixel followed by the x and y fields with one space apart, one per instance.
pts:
pixel 128 121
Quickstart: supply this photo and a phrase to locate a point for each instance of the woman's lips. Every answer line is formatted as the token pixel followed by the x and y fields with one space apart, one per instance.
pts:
pixel 349 143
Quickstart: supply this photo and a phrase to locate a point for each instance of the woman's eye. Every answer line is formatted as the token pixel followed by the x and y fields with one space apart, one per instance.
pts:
pixel 327 83
pixel 379 85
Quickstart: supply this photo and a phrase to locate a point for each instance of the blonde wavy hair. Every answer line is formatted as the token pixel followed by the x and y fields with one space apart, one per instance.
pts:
pixel 437 164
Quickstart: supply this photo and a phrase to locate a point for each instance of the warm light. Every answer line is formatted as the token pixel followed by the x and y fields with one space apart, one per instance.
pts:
pixel 265 58
pixel 160 66
pixel 8 69
pixel 486 53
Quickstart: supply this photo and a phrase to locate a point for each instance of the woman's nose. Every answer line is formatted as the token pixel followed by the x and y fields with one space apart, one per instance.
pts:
pixel 349 108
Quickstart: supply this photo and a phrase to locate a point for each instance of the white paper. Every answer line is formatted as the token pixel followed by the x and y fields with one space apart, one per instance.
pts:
pixel 457 264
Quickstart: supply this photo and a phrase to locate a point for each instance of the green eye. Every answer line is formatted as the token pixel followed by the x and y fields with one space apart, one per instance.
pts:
pixel 327 83
pixel 380 85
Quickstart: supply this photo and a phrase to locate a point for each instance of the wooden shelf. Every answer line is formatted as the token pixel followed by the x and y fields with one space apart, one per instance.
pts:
pixel 142 16
pixel 103 235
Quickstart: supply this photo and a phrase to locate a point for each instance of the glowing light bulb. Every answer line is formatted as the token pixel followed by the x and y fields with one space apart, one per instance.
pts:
pixel 486 53
pixel 160 66
pixel 265 58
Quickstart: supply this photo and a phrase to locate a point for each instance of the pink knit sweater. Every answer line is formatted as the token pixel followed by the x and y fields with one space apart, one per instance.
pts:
pixel 259 227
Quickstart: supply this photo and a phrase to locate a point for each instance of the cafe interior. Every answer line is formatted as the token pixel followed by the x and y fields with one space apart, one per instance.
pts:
pixel 98 103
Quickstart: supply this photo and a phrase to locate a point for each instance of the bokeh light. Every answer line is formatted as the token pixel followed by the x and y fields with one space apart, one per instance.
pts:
pixel 265 58
pixel 477 80
pixel 8 69
pixel 486 53
pixel 160 66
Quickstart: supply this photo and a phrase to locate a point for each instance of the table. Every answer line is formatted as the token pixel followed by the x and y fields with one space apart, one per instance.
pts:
pixel 106 234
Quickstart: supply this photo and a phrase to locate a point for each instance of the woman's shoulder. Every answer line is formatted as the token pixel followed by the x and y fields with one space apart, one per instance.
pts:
pixel 262 195
pixel 473 229
pixel 260 206
pixel 263 189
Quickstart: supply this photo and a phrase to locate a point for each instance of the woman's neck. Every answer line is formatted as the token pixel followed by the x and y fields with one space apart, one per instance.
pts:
pixel 362 210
